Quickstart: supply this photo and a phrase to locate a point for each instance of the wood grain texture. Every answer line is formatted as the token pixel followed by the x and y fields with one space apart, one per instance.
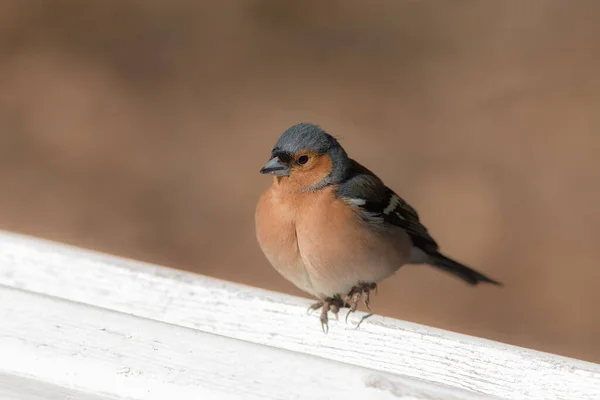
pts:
pixel 280 321
pixel 94 353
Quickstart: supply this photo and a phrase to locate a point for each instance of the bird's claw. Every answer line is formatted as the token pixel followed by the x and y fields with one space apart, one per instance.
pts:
pixel 332 304
pixel 352 299
pixel 366 300
pixel 358 292
pixel 324 325
pixel 362 319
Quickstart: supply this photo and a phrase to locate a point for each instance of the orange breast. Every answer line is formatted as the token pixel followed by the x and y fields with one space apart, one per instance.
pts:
pixel 276 235
pixel 339 250
pixel 321 245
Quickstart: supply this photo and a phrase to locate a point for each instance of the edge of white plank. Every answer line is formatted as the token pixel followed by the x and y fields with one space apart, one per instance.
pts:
pixel 87 352
pixel 279 320
pixel 17 387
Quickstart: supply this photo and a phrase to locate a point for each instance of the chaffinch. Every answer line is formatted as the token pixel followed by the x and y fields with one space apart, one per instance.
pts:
pixel 334 229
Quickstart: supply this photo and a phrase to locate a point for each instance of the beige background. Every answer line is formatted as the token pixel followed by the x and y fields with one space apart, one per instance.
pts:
pixel 138 128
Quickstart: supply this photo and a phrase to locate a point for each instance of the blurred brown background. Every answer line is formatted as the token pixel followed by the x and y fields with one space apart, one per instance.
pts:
pixel 138 128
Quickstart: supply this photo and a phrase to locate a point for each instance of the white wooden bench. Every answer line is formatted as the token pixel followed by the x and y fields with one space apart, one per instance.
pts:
pixel 76 324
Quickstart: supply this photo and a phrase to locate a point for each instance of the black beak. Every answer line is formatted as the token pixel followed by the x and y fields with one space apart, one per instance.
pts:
pixel 275 167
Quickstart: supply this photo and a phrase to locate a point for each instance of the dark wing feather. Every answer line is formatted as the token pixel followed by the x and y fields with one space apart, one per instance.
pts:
pixel 380 205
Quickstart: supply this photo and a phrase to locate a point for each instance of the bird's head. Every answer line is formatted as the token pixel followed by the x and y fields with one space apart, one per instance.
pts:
pixel 308 156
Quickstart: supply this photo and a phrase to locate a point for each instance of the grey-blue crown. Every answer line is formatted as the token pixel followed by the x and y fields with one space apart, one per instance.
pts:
pixel 305 136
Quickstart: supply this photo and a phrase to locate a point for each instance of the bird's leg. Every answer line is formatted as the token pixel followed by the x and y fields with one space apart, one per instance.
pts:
pixel 367 288
pixel 362 290
pixel 324 318
pixel 314 307
pixel 352 299
pixel 332 304
pixel 334 307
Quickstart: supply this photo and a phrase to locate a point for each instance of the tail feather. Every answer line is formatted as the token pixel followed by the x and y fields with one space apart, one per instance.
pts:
pixel 467 274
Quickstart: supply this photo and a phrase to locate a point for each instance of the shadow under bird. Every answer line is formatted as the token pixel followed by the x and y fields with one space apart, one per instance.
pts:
pixel 334 229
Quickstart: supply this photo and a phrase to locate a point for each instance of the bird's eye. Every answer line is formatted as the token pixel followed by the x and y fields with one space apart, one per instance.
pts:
pixel 302 160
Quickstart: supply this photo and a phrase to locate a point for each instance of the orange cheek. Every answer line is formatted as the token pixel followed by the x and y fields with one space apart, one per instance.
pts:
pixel 314 173
pixel 322 167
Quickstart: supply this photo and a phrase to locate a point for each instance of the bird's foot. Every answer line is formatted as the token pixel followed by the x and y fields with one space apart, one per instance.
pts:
pixel 358 292
pixel 332 304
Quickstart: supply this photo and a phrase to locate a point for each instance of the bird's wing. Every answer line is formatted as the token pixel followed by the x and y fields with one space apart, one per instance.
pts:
pixel 378 204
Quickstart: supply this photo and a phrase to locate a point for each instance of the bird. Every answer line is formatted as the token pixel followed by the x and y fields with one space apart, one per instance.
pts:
pixel 332 227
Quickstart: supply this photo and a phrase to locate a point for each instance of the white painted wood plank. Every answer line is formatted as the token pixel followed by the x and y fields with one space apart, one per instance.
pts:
pixel 14 387
pixel 75 346
pixel 280 320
